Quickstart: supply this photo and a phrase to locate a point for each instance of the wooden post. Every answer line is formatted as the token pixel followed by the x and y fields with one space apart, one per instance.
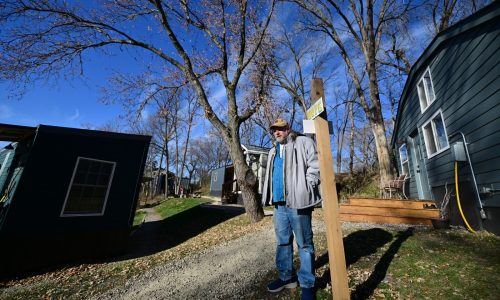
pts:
pixel 336 256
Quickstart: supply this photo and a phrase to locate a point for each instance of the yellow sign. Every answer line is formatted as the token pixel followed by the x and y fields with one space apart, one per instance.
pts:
pixel 315 109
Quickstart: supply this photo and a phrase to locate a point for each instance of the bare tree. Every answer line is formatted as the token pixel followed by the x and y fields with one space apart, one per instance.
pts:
pixel 191 108
pixel 447 12
pixel 344 105
pixel 208 153
pixel 201 39
pixel 296 59
pixel 357 29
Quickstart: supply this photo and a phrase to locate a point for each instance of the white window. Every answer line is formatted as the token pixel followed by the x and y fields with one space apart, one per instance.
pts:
pixel 425 90
pixel 436 139
pixel 89 187
pixel 3 166
pixel 403 158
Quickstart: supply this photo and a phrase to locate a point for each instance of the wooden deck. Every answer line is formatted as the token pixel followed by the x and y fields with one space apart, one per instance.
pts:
pixel 389 211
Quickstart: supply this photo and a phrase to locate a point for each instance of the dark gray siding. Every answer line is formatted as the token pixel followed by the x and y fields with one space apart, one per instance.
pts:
pixel 216 181
pixel 31 223
pixel 6 157
pixel 465 72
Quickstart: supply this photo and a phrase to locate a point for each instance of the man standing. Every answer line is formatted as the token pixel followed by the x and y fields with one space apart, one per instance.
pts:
pixel 292 186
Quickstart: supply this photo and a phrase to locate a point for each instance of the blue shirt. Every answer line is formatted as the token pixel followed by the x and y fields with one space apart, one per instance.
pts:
pixel 278 180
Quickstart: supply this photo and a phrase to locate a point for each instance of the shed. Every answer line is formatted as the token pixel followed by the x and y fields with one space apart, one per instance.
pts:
pixel 450 110
pixel 66 194
pixel 223 180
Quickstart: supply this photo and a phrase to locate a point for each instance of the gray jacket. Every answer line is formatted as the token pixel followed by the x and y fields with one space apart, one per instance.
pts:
pixel 301 174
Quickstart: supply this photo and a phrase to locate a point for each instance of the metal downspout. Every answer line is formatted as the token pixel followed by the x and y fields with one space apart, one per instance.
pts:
pixel 481 210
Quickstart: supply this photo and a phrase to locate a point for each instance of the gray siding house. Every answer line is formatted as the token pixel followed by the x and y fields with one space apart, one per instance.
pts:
pixel 450 111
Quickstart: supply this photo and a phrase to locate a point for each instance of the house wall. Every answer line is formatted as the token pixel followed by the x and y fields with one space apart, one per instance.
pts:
pixel 465 73
pixel 33 220
pixel 6 157
pixel 216 181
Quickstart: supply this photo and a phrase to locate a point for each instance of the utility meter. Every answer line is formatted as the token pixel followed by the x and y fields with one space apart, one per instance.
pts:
pixel 458 151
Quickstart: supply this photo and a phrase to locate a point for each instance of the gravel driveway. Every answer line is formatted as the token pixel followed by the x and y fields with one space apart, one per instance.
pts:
pixel 227 271
pixel 230 270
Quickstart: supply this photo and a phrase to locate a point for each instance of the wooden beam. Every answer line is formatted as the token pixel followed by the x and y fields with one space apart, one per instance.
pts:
pixel 384 219
pixel 389 211
pixel 334 237
pixel 412 204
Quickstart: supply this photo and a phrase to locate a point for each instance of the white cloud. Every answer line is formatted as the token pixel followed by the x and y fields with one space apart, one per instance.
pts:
pixel 145 114
pixel 74 116
pixel 5 112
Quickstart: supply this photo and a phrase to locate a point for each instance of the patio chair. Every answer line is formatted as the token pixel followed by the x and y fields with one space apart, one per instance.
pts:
pixel 395 186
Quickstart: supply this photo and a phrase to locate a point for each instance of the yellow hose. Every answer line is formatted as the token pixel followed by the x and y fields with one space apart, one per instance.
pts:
pixel 458 199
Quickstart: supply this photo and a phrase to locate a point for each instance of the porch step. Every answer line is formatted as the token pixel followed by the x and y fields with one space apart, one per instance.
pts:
pixel 389 211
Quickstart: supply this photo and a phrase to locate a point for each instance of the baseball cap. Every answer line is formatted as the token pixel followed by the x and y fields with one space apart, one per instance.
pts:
pixel 279 123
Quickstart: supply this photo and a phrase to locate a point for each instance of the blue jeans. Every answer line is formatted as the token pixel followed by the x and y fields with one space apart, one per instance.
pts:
pixel 290 222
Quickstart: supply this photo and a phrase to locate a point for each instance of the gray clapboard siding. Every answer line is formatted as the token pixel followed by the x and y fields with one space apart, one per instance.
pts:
pixel 464 64
pixel 469 51
pixel 484 102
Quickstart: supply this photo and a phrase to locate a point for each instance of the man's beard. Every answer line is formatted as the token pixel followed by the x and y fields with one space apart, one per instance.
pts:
pixel 281 140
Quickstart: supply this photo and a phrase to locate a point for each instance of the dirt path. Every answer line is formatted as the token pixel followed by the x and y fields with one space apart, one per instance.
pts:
pixel 152 215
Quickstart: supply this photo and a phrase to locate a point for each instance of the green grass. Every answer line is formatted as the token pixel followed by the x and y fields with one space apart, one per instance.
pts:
pixel 139 216
pixel 174 206
pixel 448 264
pixel 425 264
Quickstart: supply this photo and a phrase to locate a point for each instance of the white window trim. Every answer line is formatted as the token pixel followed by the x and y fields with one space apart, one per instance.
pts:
pixel 71 184
pixel 427 98
pixel 4 163
pixel 436 141
pixel 407 160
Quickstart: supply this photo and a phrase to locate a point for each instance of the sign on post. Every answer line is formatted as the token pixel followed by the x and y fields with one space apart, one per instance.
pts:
pixel 316 109
pixel 334 237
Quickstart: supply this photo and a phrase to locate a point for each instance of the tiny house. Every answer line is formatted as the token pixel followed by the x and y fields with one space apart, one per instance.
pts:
pixel 223 180
pixel 449 112
pixel 66 194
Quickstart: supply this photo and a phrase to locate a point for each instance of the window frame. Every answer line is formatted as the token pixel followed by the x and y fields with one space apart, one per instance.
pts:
pixel 407 161
pixel 434 135
pixel 65 215
pixel 3 165
pixel 428 101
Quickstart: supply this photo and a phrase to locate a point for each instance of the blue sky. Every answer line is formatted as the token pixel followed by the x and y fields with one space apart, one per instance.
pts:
pixel 67 102
pixel 75 102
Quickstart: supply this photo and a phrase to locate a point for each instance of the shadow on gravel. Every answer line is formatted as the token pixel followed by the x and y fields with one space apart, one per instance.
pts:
pixel 153 237
pixel 364 243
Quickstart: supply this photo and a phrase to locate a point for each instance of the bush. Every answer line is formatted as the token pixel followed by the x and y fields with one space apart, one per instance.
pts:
pixel 361 183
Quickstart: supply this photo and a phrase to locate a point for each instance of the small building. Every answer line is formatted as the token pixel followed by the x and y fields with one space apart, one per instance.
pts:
pixel 450 111
pixel 66 194
pixel 223 180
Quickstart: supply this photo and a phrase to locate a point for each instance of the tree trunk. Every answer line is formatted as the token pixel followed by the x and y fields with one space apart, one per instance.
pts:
pixel 382 151
pixel 247 182
pixel 186 144
pixel 178 176
pixel 167 161
pixel 157 190
pixel 351 142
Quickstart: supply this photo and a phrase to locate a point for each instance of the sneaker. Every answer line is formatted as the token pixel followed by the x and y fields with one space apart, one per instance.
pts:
pixel 307 294
pixel 279 284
